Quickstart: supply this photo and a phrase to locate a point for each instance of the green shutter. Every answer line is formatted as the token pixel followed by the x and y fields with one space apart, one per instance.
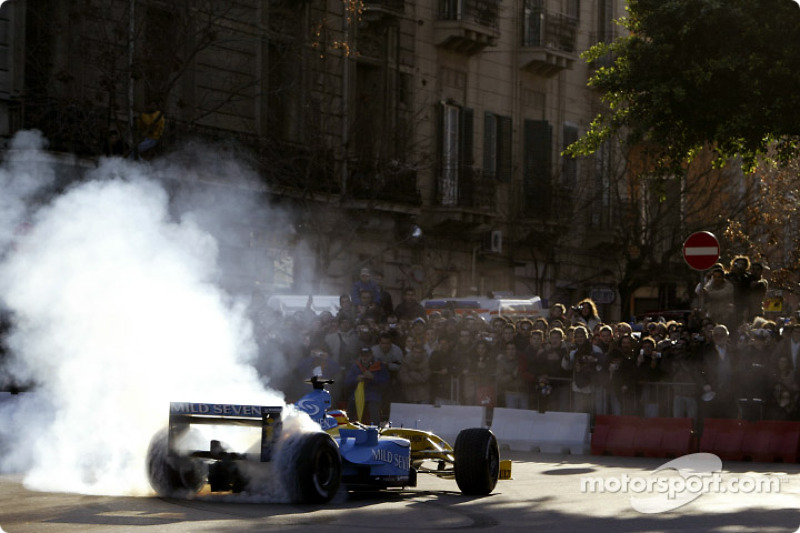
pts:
pixel 569 165
pixel 466 134
pixel 504 164
pixel 536 180
pixel 489 145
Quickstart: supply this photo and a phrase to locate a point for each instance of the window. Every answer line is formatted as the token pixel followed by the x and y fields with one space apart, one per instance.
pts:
pixel 489 145
pixel 574 9
pixel 450 9
pixel 532 22
pixel 601 207
pixel 497 147
pixel 450 155
pixel 605 21
pixel 159 51
pixel 536 178
pixel 456 153
pixel 569 165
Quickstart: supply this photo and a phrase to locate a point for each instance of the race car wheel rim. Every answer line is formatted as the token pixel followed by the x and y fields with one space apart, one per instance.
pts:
pixel 494 460
pixel 325 471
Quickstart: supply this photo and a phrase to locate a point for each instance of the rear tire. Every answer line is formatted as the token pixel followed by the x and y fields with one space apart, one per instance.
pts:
pixel 173 475
pixel 318 468
pixel 477 461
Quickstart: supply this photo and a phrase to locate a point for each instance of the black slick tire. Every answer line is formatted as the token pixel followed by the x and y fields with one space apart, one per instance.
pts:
pixel 318 467
pixel 477 461
pixel 170 474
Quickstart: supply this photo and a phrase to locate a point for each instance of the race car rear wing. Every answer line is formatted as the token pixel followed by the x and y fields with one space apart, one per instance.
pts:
pixel 183 414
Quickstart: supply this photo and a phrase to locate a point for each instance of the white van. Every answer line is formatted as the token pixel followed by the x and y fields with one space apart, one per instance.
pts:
pixel 288 304
pixel 488 308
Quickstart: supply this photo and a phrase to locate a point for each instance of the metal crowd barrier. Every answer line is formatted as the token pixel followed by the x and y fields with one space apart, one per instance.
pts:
pixel 649 399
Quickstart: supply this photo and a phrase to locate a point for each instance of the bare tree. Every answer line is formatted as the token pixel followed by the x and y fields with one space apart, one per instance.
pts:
pixel 650 216
pixel 767 230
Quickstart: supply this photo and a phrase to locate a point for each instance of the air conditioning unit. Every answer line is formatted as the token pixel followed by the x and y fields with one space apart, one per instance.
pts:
pixel 496 241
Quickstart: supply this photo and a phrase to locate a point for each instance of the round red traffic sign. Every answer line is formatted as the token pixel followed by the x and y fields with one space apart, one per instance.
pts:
pixel 701 250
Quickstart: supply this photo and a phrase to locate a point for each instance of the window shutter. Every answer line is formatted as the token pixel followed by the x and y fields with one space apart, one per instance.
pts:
pixel 466 133
pixel 489 145
pixel 574 9
pixel 536 181
pixel 569 165
pixel 504 164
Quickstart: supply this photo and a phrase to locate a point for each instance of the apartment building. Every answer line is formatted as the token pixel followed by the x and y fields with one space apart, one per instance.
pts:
pixel 422 138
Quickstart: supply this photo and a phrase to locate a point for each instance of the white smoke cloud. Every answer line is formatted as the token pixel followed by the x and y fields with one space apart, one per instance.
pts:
pixel 26 172
pixel 116 314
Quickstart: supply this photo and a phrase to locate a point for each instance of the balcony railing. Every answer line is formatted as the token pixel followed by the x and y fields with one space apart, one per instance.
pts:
pixel 80 129
pixel 481 12
pixel 385 6
pixel 468 189
pixel 386 184
pixel 544 29
pixel 548 41
pixel 467 26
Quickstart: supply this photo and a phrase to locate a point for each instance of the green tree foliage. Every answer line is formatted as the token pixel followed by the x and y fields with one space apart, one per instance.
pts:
pixel 695 73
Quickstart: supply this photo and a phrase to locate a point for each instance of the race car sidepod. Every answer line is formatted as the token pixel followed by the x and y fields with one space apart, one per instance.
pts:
pixel 369 459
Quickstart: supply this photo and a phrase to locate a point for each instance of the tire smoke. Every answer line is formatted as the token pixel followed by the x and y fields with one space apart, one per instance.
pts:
pixel 116 311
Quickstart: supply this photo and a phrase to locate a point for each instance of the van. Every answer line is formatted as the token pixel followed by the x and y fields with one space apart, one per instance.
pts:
pixel 288 304
pixel 488 308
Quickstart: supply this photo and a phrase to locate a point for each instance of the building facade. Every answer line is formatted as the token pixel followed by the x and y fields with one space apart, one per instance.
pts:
pixel 363 120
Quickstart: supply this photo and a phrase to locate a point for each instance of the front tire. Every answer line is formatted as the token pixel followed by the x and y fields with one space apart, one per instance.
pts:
pixel 318 467
pixel 477 461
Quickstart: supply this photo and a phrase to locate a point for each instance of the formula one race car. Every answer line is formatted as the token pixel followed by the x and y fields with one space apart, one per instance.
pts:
pixel 312 465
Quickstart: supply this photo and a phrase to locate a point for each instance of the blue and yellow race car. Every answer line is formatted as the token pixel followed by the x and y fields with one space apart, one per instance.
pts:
pixel 313 465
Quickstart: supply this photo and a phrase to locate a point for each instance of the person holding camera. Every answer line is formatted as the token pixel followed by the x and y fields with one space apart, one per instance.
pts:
pixel 585 313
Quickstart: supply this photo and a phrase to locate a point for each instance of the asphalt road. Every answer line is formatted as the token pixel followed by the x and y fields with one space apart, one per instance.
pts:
pixel 546 494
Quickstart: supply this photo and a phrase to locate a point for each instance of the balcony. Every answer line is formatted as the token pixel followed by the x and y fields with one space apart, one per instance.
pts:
pixel 464 200
pixel 385 182
pixel 548 42
pixel 467 188
pixel 69 126
pixel 466 26
pixel 375 10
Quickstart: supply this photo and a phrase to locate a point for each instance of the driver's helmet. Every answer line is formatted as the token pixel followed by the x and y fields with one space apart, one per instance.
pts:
pixel 340 416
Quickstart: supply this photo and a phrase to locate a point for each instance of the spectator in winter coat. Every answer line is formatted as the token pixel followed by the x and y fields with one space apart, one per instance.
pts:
pixel 511 388
pixel 409 308
pixel 375 377
pixel 415 375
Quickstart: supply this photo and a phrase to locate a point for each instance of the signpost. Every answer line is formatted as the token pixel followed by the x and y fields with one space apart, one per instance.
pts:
pixel 701 250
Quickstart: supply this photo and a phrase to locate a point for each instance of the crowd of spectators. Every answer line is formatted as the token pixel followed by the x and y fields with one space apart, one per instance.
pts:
pixel 722 359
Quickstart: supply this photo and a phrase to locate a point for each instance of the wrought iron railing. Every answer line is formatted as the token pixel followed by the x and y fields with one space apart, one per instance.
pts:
pixel 386 5
pixel 545 29
pixel 482 12
pixel 466 188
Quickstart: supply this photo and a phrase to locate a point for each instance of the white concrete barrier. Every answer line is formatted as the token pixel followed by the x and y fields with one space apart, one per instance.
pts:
pixel 445 421
pixel 550 432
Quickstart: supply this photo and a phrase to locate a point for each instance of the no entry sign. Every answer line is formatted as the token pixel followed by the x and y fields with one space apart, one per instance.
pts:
pixel 701 250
